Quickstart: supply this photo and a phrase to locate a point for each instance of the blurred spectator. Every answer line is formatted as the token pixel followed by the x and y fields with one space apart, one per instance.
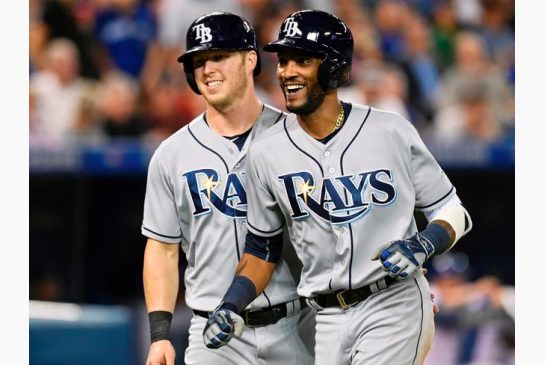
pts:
pixel 59 19
pixel 390 17
pixel 444 29
pixel 422 73
pixel 475 324
pixel 125 29
pixel 37 36
pixel 118 106
pixel 468 12
pixel 473 67
pixel 379 85
pixel 497 33
pixel 366 38
pixel 56 93
pixel 470 118
pixel 169 107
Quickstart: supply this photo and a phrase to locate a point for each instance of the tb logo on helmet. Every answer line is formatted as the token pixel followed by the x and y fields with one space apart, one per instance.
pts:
pixel 203 33
pixel 291 28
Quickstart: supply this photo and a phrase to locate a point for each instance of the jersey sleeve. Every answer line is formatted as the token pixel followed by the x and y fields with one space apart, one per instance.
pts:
pixel 264 216
pixel 161 221
pixel 432 186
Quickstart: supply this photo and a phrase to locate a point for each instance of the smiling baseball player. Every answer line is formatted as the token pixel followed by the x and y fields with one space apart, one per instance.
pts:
pixel 344 181
pixel 196 199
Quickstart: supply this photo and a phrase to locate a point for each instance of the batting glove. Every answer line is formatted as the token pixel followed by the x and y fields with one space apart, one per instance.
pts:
pixel 222 325
pixel 402 258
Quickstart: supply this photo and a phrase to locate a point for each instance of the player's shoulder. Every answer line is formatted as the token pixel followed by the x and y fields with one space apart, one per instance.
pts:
pixel 388 118
pixel 269 138
pixel 390 122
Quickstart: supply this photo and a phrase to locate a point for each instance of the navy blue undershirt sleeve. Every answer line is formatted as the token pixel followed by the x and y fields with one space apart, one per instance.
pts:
pixel 265 248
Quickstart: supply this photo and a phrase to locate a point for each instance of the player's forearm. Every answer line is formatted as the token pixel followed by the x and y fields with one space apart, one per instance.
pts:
pixel 161 276
pixel 257 270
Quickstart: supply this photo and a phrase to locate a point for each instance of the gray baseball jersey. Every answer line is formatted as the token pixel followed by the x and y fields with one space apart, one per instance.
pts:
pixel 341 201
pixel 196 195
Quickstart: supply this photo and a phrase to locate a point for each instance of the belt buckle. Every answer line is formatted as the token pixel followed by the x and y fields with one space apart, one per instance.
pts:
pixel 342 301
pixel 247 318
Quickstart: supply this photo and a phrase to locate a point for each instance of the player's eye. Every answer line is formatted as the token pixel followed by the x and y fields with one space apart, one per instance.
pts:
pixel 282 61
pixel 218 57
pixel 304 60
pixel 198 63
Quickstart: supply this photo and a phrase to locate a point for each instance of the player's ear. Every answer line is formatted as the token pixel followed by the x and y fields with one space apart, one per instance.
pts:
pixel 251 60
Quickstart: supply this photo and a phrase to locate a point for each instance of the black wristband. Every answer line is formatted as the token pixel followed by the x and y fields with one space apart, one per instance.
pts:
pixel 159 325
pixel 439 238
pixel 241 292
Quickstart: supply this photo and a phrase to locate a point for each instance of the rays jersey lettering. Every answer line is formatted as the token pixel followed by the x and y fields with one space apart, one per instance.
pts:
pixel 341 199
pixel 205 186
pixel 203 33
pixel 291 28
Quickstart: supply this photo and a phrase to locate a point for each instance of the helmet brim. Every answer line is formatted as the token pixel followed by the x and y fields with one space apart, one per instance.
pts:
pixel 185 57
pixel 300 44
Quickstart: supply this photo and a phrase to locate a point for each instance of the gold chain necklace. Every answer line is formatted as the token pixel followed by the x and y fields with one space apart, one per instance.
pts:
pixel 340 120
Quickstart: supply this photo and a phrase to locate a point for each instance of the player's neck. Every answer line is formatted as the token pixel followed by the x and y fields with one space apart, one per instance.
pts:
pixel 320 123
pixel 236 118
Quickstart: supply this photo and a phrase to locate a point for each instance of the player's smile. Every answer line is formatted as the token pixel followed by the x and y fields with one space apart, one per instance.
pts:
pixel 213 84
pixel 293 91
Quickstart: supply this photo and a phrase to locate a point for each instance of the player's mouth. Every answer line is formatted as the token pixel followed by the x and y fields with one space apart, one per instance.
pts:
pixel 212 84
pixel 293 90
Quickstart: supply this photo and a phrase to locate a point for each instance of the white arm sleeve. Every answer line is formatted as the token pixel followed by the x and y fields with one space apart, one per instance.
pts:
pixel 454 213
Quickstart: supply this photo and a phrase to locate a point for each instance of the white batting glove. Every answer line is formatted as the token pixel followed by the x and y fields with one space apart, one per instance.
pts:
pixel 222 325
pixel 402 258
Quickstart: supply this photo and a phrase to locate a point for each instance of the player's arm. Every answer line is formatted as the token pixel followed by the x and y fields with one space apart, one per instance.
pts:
pixel 447 224
pixel 254 271
pixel 161 282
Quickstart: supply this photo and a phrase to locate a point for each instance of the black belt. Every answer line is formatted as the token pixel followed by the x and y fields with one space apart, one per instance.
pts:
pixel 346 298
pixel 264 316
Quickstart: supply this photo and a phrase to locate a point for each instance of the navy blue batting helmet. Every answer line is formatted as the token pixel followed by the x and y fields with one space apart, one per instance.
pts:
pixel 324 35
pixel 217 31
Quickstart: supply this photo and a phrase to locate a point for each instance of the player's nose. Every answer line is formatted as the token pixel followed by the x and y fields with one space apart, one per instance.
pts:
pixel 288 69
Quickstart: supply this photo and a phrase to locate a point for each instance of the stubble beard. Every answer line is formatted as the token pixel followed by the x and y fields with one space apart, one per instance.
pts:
pixel 314 100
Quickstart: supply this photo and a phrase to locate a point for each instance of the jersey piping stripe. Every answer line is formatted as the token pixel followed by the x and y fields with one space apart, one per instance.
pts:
pixel 421 321
pixel 280 117
pixel 437 201
pixel 209 149
pixel 261 231
pixel 346 197
pixel 162 235
pixel 300 149
pixel 267 297
pixel 236 239
pixel 227 171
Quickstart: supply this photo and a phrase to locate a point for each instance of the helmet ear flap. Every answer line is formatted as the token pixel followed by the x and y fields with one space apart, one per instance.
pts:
pixel 190 76
pixel 330 73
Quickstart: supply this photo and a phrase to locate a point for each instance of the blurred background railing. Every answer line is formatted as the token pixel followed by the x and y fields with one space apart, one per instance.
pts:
pixel 105 89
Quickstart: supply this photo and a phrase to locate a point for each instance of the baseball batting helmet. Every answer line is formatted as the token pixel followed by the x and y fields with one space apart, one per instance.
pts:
pixel 217 31
pixel 322 34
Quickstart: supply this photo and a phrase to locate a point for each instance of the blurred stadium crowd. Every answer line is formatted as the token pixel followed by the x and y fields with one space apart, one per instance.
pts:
pixel 104 69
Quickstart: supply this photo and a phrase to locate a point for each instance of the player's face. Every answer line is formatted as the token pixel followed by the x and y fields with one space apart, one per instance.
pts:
pixel 297 73
pixel 221 76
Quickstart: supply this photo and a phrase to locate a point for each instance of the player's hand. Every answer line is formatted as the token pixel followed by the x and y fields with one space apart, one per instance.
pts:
pixel 222 325
pixel 402 258
pixel 161 353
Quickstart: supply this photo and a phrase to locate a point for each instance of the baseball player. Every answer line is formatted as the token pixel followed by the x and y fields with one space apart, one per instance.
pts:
pixel 196 199
pixel 344 181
